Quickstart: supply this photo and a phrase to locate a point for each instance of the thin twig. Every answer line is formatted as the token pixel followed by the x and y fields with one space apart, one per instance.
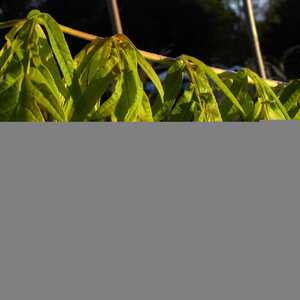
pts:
pixel 248 7
pixel 115 16
pixel 11 23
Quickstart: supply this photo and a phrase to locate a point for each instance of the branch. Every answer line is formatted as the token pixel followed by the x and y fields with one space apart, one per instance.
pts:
pixel 115 17
pixel 248 6
pixel 91 37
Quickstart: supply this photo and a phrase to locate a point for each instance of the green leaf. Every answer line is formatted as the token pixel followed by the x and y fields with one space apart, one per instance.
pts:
pixel 204 94
pixel 6 57
pixel 58 97
pixel 214 77
pixel 257 111
pixel 22 45
pixel 290 98
pixel 92 61
pixel 146 67
pixel 297 116
pixel 10 89
pixel 27 109
pixel 10 36
pixel 45 94
pixel 40 81
pixel 133 92
pixel 91 96
pixel 22 95
pixel 93 93
pixel 273 112
pixel 272 108
pixel 172 86
pixel 59 45
pixel 145 111
pixel 108 108
pixel 100 59
pixel 7 52
pixel 83 58
pixel 149 71
pixel 238 84
pixel 184 108
pixel 45 60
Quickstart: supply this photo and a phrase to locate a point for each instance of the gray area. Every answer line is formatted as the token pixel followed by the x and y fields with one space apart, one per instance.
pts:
pixel 149 212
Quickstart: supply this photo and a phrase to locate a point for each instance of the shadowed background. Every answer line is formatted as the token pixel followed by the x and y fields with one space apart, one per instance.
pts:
pixel 212 30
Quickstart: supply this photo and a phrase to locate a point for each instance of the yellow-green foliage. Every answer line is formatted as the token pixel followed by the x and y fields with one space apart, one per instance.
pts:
pixel 41 81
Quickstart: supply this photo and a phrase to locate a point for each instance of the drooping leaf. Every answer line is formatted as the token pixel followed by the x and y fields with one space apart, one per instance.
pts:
pixel 97 56
pixel 145 111
pixel 58 44
pixel 296 117
pixel 10 88
pixel 108 108
pixel 45 58
pixel 290 98
pixel 7 52
pixel 147 68
pixel 133 92
pixel 100 59
pixel 45 95
pixel 83 58
pixel 214 77
pixel 10 36
pixel 272 108
pixel 172 86
pixel 149 71
pixel 257 111
pixel 40 81
pixel 6 57
pixel 204 95
pixel 239 85
pixel 27 109
pixel 184 108
pixel 92 95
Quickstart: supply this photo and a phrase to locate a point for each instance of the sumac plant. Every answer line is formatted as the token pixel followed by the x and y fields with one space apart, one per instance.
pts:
pixel 40 81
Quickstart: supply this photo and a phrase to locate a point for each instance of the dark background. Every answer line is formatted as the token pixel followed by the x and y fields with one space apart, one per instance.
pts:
pixel 212 30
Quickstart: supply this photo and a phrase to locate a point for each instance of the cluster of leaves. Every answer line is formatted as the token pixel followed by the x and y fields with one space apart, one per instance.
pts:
pixel 40 81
